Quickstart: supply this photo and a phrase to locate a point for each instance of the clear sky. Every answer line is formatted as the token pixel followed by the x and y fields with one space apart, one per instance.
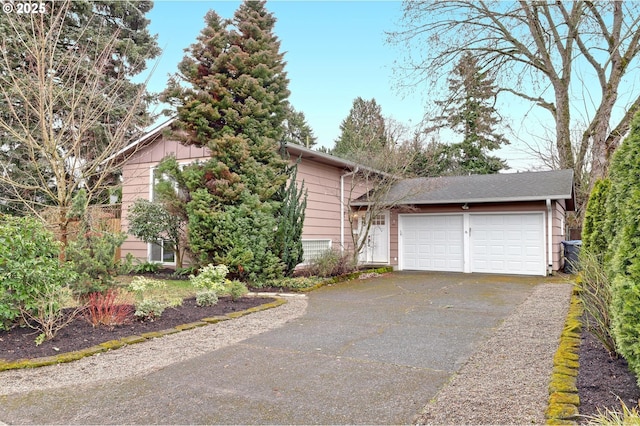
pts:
pixel 335 51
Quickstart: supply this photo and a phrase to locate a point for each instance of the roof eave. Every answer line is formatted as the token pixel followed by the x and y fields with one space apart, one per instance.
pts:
pixel 475 200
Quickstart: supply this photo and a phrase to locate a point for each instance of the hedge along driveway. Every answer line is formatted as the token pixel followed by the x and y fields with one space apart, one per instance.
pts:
pixel 368 351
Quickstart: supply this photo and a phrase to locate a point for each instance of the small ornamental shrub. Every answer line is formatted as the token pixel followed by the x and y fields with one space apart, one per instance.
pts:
pixel 30 269
pixel 206 298
pixel 47 315
pixel 236 289
pixel 148 308
pixel 210 278
pixel 332 263
pixel 107 309
pixel 146 268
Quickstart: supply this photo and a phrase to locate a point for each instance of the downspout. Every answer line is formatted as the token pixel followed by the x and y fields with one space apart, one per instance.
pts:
pixel 342 207
pixel 549 237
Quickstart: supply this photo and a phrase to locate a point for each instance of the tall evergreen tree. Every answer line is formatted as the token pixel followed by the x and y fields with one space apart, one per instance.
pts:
pixel 362 131
pixel 231 96
pixel 297 130
pixel 470 112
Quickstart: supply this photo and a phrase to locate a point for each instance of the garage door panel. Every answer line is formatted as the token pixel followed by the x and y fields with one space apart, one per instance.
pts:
pixel 432 242
pixel 507 243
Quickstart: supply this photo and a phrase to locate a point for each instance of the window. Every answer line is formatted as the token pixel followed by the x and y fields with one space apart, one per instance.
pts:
pixel 313 248
pixel 162 252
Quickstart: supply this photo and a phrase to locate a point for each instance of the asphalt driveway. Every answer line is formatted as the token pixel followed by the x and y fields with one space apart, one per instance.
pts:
pixel 366 352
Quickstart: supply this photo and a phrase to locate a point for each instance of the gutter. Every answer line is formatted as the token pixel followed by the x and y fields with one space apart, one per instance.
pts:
pixel 549 237
pixel 342 206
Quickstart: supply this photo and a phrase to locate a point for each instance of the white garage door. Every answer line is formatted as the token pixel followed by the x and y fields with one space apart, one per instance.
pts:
pixel 432 242
pixel 507 243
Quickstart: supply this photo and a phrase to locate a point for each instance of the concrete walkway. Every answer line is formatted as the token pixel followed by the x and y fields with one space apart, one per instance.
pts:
pixel 366 352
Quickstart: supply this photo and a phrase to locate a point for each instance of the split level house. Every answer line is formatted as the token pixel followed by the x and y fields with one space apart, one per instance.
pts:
pixel 510 223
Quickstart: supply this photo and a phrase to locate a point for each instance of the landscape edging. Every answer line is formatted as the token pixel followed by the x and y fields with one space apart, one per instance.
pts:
pixel 564 401
pixel 115 344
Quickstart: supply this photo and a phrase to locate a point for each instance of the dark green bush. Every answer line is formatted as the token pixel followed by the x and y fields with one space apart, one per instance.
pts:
pixel 29 267
pixel 622 258
pixel 594 239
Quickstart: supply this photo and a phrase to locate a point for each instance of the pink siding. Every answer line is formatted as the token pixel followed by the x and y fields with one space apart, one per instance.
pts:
pixel 322 217
pixel 322 181
pixel 137 182
pixel 559 233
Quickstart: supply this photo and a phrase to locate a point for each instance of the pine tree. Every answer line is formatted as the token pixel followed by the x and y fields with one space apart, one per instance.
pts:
pixel 469 111
pixel 362 131
pixel 234 105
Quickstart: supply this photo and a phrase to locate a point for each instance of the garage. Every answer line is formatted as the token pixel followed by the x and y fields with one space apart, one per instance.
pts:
pixel 490 243
pixel 432 243
pixel 510 223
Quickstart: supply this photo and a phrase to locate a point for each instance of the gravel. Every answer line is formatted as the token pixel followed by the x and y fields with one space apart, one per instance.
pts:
pixel 506 380
pixel 151 355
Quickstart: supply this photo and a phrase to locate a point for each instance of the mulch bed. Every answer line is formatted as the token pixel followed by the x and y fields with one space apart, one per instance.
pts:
pixel 603 382
pixel 19 343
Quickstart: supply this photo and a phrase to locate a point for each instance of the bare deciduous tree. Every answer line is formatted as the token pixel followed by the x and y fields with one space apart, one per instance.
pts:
pixel 64 109
pixel 540 50
pixel 381 168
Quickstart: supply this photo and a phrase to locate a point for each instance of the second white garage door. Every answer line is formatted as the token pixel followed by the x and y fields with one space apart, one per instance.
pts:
pixel 496 243
pixel 507 243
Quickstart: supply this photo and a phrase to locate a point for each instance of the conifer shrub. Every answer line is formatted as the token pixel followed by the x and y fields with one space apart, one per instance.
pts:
pixel 594 239
pixel 622 258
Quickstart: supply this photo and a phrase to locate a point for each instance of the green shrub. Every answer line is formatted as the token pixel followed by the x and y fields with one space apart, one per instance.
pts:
pixel 594 239
pixel 332 263
pixel 622 259
pixel 206 298
pixel 211 278
pixel 93 255
pixel 236 289
pixel 148 308
pixel 29 268
pixel 146 268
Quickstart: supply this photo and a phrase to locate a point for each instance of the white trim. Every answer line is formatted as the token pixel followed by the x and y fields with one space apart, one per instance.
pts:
pixel 161 261
pixel 549 237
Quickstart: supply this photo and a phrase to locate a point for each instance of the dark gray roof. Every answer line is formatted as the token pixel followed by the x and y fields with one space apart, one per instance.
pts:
pixel 502 187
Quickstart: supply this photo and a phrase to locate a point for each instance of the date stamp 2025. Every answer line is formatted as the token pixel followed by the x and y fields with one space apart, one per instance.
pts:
pixel 23 7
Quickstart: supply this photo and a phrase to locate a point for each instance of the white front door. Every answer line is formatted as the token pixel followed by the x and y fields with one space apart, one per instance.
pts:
pixel 376 247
